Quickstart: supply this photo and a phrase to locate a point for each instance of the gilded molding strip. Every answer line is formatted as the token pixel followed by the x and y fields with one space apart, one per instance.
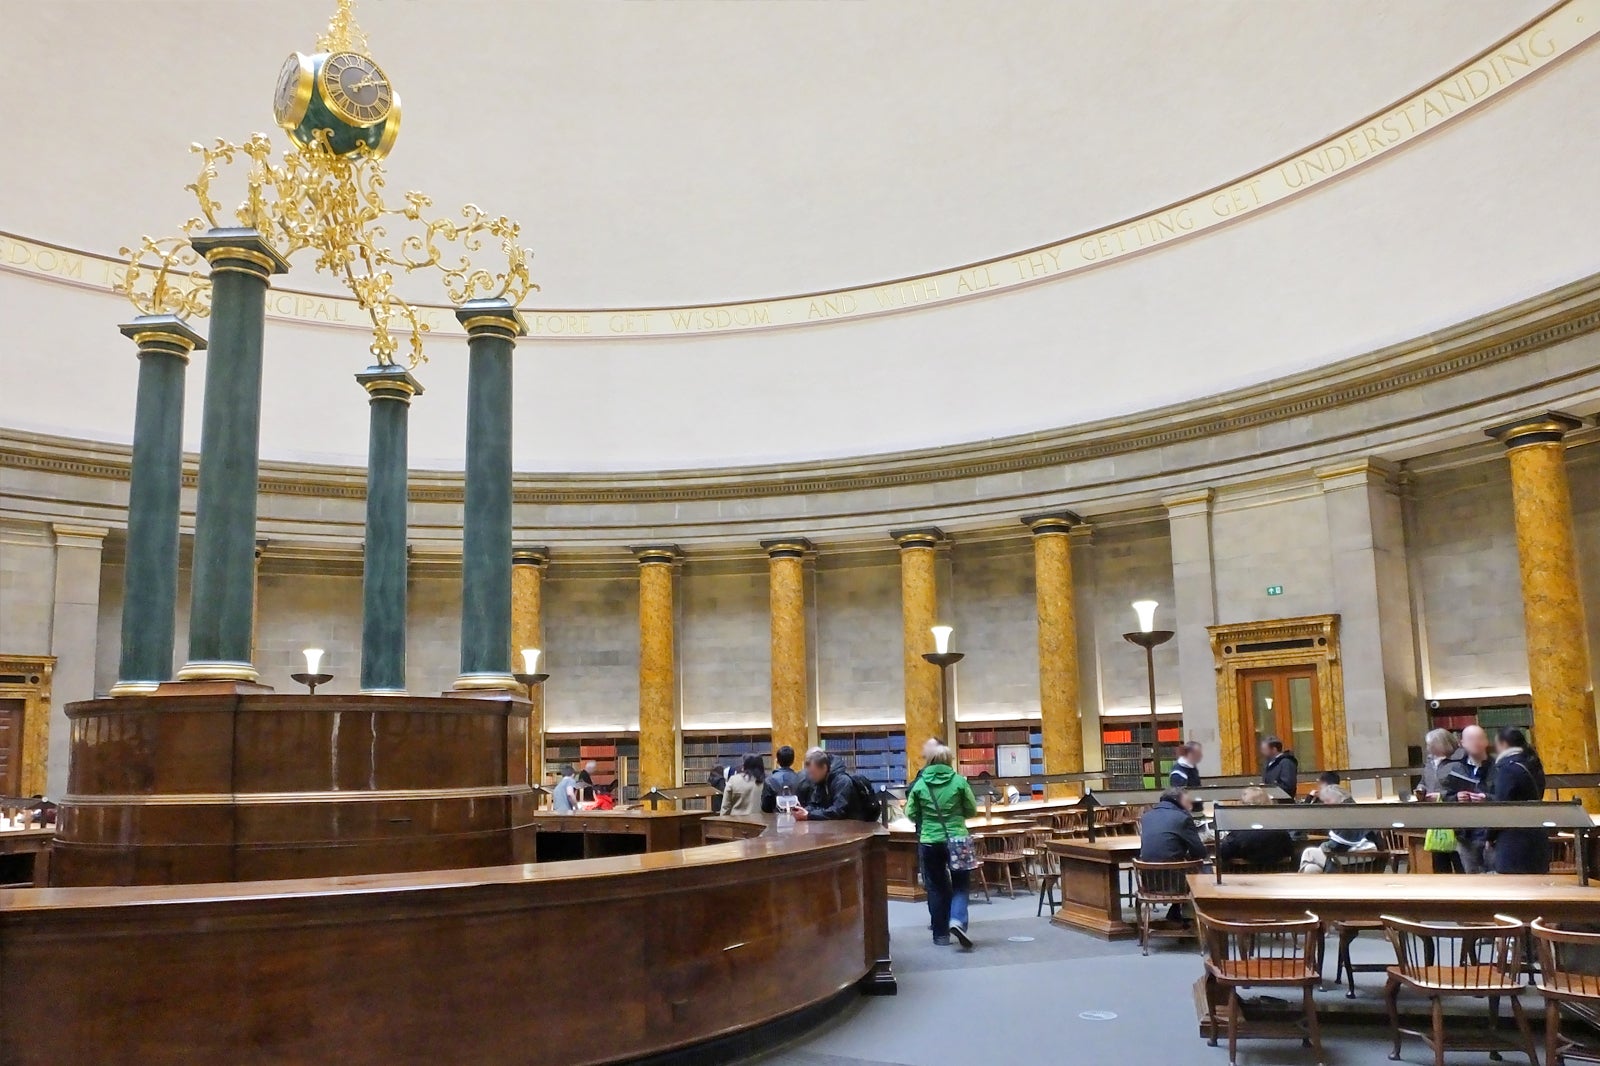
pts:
pixel 1558 32
pixel 1528 326
pixel 258 799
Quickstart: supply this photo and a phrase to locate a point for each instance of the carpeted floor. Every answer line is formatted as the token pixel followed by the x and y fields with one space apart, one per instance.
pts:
pixel 1064 997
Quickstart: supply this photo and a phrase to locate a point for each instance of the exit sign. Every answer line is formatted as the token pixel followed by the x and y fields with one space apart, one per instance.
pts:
pixel 1274 590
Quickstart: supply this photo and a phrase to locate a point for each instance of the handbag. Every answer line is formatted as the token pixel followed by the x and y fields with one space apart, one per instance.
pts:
pixel 1439 840
pixel 961 853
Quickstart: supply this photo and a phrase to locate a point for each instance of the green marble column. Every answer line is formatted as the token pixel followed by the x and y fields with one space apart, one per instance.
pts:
pixel 222 600
pixel 383 573
pixel 493 327
pixel 150 576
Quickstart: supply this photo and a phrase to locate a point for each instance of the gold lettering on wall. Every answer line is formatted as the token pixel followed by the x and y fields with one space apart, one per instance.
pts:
pixel 1561 30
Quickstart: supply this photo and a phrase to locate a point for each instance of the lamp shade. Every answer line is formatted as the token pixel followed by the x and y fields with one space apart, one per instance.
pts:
pixel 530 660
pixel 1146 610
pixel 941 638
pixel 313 660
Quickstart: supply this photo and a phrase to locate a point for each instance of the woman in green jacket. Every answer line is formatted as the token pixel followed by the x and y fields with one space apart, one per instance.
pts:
pixel 939 804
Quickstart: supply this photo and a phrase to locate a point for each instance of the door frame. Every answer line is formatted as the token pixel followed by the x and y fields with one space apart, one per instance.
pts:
pixel 1278 674
pixel 27 677
pixel 1310 641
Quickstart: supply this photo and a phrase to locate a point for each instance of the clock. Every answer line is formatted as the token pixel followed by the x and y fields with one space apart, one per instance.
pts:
pixel 355 89
pixel 293 96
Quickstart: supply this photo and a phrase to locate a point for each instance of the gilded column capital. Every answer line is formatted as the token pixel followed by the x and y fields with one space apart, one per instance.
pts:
pixel 389 382
pixel 788 548
pixel 656 554
pixel 165 334
pixel 239 251
pixel 920 537
pixel 530 555
pixel 1052 523
pixel 495 317
pixel 1548 427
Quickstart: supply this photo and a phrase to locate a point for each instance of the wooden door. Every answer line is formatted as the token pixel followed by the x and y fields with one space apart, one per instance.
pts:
pixel 10 747
pixel 1281 701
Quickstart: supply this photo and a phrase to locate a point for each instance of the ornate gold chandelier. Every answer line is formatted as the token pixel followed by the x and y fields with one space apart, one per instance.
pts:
pixel 325 193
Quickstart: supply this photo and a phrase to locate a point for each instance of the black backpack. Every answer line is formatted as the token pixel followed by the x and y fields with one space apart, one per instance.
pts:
pixel 868 807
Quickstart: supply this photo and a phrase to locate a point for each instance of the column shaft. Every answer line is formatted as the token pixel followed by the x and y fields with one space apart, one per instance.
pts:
pixel 155 484
pixel 222 600
pixel 1058 642
pixel 919 604
pixel 786 577
pixel 1552 605
pixel 492 329
pixel 527 631
pixel 383 570
pixel 658 679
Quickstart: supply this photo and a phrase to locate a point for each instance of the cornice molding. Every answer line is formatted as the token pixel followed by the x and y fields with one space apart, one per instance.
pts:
pixel 1528 326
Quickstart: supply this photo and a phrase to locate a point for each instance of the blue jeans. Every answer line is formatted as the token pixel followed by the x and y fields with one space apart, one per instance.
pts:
pixel 946 888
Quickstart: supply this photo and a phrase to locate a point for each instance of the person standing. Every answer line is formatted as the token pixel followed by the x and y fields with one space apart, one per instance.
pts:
pixel 830 792
pixel 784 777
pixel 1518 778
pixel 939 803
pixel 1467 777
pixel 1439 747
pixel 1186 771
pixel 1280 767
pixel 563 799
pixel 742 794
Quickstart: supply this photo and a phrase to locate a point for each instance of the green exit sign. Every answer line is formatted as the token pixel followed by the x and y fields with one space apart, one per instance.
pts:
pixel 1274 590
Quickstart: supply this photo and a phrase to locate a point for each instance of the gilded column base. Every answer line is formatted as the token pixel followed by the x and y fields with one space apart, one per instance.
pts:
pixel 134 688
pixel 217 670
pixel 481 681
pixel 384 692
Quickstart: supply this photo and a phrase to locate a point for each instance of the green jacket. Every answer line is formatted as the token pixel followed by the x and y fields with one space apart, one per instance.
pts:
pixel 939 804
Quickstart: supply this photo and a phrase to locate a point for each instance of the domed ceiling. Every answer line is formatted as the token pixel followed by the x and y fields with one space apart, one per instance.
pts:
pixel 703 153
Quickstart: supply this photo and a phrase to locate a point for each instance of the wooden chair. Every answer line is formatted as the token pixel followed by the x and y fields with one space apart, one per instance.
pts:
pixel 1345 932
pixel 1002 850
pixel 1563 856
pixel 1161 884
pixel 1246 954
pixel 1043 866
pixel 1564 979
pixel 1480 960
pixel 1393 843
pixel 1072 824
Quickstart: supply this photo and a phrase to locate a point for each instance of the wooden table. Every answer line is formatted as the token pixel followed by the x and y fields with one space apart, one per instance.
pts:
pixel 597 834
pixel 1457 897
pixel 25 855
pixel 905 876
pixel 1091 884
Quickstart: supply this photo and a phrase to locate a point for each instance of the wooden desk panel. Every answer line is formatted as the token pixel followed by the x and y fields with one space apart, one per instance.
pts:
pixel 25 855
pixel 449 966
pixel 596 834
pixel 1091 885
pixel 1453 897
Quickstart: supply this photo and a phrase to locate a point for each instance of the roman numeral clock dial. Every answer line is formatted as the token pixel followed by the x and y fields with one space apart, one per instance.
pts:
pixel 355 89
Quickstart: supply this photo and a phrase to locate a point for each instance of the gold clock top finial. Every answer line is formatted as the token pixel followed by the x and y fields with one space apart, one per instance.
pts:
pixel 343 34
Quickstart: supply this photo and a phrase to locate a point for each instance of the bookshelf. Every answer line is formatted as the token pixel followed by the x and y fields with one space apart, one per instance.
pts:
pixel 702 752
pixel 614 755
pixel 1126 747
pixel 879 754
pixel 977 746
pixel 1493 713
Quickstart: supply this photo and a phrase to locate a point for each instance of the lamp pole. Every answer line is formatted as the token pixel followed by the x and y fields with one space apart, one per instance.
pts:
pixel 1149 638
pixel 944 659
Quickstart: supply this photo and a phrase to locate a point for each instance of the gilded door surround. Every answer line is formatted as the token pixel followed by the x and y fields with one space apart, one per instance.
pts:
pixel 27 677
pixel 1312 641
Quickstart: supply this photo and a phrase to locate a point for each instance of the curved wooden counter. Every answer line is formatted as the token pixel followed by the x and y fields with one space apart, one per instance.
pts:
pixel 592 961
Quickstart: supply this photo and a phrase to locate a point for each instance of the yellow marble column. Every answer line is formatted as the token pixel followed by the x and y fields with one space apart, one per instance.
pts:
pixel 658 677
pixel 1058 643
pixel 527 631
pixel 1552 604
pixel 919 607
pixel 786 580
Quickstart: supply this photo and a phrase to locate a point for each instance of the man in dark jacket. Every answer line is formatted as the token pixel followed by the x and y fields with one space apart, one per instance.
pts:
pixel 832 793
pixel 1167 834
pixel 1186 770
pixel 1468 777
pixel 1280 768
pixel 785 776
pixel 1262 848
pixel 1518 777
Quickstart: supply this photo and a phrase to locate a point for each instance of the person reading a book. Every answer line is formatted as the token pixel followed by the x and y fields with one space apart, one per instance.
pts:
pixel 1467 777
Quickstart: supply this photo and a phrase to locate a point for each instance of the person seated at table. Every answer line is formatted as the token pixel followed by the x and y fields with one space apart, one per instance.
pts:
pixel 1320 859
pixel 784 777
pixel 1518 777
pixel 831 794
pixel 1281 768
pixel 1167 834
pixel 1186 771
pixel 1258 847
pixel 1327 777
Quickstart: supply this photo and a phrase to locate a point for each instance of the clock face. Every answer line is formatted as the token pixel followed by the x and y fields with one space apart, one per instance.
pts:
pixel 355 89
pixel 293 95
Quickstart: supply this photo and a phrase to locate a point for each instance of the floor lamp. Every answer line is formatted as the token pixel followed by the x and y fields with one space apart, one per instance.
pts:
pixel 944 659
pixel 1149 638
